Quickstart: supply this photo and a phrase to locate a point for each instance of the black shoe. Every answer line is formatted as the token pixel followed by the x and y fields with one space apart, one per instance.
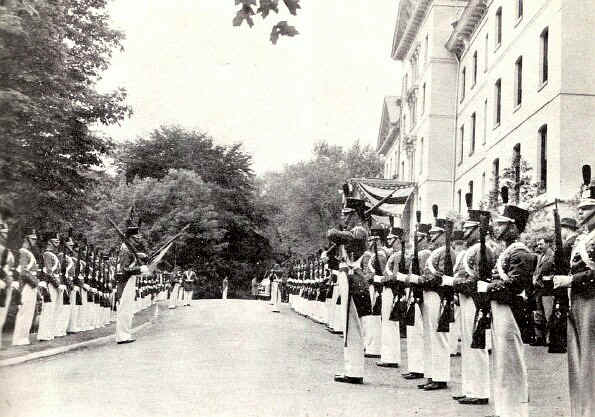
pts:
pixel 387 365
pixel 349 379
pixel 413 375
pixel 539 341
pixel 370 355
pixel 435 385
pixel 454 355
pixel 474 401
pixel 126 341
pixel 459 397
pixel 428 382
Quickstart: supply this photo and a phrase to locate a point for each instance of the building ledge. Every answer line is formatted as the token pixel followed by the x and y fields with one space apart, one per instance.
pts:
pixel 415 14
pixel 464 27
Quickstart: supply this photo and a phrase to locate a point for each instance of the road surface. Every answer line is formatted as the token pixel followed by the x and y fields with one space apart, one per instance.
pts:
pixel 236 358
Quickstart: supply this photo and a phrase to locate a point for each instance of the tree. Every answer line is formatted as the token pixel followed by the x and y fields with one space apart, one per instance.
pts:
pixel 226 171
pixel 303 199
pixel 265 7
pixel 52 53
pixel 164 206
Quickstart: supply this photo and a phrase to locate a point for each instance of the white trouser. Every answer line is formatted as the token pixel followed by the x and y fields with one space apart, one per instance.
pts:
pixel 390 348
pixel 353 343
pixel 126 311
pixel 436 349
pixel 415 344
pixel 340 312
pixel 371 330
pixel 47 318
pixel 82 319
pixel 332 307
pixel 62 314
pixel 475 363
pixel 24 319
pixel 173 296
pixel 4 310
pixel 75 311
pixel 224 296
pixel 276 296
pixel 509 370
pixel 454 332
pixel 188 295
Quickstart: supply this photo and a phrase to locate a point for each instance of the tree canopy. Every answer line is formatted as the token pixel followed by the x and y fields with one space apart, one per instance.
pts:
pixel 303 199
pixel 52 53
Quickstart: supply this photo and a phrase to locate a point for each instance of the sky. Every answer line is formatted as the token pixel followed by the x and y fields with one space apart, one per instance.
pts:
pixel 184 63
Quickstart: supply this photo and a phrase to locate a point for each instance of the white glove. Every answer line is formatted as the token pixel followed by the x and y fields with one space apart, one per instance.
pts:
pixel 2 285
pixel 43 284
pixel 562 281
pixel 144 269
pixel 547 277
pixel 402 277
pixel 447 281
pixel 87 287
pixel 61 287
pixel 414 279
pixel 378 278
pixel 15 285
pixel 482 286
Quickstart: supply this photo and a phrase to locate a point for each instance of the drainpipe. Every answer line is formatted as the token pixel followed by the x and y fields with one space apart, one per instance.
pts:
pixel 456 122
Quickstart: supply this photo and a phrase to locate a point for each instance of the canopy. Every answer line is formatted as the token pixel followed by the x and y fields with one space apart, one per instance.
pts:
pixel 372 190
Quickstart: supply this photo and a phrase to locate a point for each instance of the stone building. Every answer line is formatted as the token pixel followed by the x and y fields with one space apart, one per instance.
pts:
pixel 483 78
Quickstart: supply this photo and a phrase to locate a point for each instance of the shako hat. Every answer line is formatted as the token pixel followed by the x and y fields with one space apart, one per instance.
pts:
pixel 512 214
pixel 588 196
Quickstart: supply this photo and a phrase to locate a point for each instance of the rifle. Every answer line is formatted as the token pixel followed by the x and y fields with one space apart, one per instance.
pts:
pixel 557 322
pixel 77 270
pixel 63 280
pixel 482 301
pixel 41 274
pixel 125 240
pixel 447 302
pixel 4 276
pixel 415 292
pixel 17 242
pixel 171 240
pixel 400 307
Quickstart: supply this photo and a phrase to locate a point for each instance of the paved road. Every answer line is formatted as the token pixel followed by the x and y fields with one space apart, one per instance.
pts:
pixel 236 358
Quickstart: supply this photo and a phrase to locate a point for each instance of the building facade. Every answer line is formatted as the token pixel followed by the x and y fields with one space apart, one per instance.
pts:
pixel 421 151
pixel 526 84
pixel 502 76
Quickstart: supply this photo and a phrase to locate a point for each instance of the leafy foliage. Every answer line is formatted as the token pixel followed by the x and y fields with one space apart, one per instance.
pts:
pixel 265 7
pixel 52 54
pixel 303 199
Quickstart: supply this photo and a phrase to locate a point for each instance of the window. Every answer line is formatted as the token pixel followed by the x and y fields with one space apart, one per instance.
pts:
pixel 519 9
pixel 471 192
pixel 543 73
pixel 498 27
pixel 426 46
pixel 474 74
pixel 483 184
pixel 486 50
pixel 459 199
pixel 421 155
pixel 461 143
pixel 485 120
pixel 403 170
pixel 423 99
pixel 412 108
pixel 395 168
pixel 472 144
pixel 496 174
pixel 463 76
pixel 412 167
pixel 518 81
pixel 543 157
pixel 497 102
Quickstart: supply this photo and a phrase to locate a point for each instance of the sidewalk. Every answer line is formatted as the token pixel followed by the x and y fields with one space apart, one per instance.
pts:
pixel 12 355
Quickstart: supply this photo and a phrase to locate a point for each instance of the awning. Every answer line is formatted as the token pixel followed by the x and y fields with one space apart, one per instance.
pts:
pixel 372 190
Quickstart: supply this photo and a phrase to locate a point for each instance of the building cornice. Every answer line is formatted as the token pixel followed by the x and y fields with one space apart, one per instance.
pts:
pixel 464 27
pixel 411 15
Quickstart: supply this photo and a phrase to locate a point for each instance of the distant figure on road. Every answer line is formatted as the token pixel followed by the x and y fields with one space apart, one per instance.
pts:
pixel 188 284
pixel 254 288
pixel 225 286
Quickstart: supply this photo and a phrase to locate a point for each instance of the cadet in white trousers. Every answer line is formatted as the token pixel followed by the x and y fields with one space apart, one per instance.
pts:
pixel 475 363
pixel 29 282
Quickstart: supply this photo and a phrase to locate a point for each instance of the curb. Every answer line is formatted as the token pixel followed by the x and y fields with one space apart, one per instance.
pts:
pixel 63 349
